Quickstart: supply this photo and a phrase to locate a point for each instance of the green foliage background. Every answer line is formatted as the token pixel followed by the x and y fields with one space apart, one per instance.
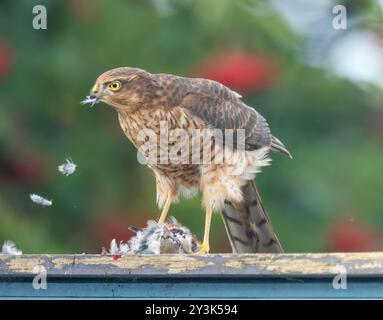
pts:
pixel 323 119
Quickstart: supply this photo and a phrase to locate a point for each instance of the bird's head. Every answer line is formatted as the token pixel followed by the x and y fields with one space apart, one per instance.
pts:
pixel 122 88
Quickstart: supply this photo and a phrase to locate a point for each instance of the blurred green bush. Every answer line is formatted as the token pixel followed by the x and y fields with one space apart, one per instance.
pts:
pixel 332 126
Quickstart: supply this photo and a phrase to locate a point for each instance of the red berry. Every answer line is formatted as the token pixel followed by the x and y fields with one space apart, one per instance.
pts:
pixel 240 71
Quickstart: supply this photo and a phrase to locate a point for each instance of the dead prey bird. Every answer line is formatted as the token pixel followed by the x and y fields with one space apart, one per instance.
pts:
pixel 157 238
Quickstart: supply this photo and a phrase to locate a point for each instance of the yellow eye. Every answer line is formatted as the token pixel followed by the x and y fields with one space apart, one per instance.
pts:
pixel 114 86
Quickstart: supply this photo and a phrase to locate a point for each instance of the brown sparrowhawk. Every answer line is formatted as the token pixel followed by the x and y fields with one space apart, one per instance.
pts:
pixel 174 111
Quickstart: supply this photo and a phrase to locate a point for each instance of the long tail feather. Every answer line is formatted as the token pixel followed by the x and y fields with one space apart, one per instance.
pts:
pixel 248 226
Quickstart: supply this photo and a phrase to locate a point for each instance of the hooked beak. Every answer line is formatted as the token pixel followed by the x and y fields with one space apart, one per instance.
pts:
pixel 93 98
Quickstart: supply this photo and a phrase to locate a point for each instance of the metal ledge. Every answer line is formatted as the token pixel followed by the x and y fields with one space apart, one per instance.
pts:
pixel 191 276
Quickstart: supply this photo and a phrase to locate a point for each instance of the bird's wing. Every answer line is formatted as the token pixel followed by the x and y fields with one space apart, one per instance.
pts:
pixel 248 226
pixel 220 110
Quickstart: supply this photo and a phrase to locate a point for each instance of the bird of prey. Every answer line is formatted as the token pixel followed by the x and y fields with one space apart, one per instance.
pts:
pixel 173 111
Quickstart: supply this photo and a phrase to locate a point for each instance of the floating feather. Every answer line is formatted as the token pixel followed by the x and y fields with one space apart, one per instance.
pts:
pixel 40 200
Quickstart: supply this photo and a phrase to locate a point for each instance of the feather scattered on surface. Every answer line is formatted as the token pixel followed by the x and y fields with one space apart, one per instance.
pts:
pixel 9 247
pixel 118 250
pixel 155 238
pixel 40 200
pixel 68 167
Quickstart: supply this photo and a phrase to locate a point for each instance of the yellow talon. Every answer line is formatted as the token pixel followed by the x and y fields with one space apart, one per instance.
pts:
pixel 204 249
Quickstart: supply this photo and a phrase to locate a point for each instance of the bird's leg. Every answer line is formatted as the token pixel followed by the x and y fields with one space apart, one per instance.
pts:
pixel 165 210
pixel 205 247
